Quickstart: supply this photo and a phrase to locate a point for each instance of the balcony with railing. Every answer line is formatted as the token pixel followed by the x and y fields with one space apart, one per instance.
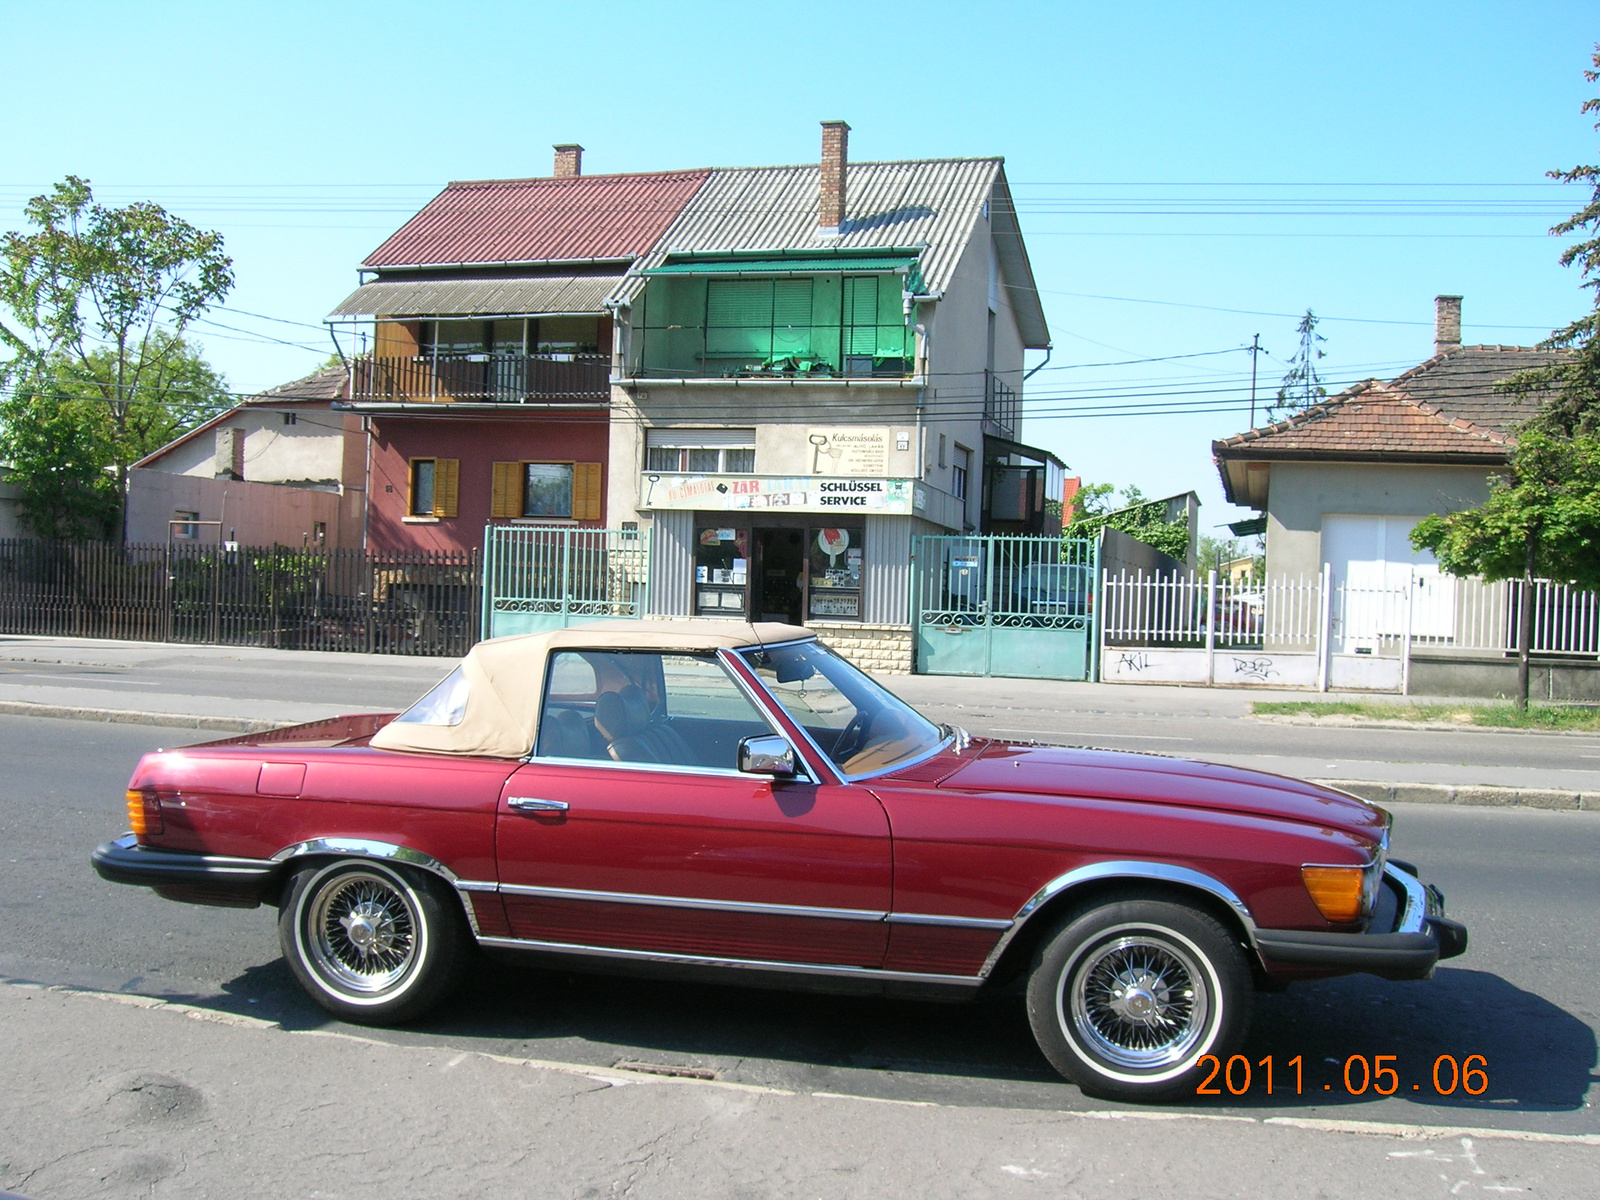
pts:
pixel 497 378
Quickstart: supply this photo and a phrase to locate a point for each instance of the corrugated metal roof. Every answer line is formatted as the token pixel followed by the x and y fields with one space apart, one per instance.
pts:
pixel 935 203
pixel 540 220
pixel 479 297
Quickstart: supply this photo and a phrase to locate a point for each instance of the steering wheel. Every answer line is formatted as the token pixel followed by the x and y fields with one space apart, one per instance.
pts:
pixel 853 737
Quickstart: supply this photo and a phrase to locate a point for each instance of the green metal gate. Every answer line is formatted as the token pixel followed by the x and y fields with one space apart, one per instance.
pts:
pixel 538 577
pixel 1008 606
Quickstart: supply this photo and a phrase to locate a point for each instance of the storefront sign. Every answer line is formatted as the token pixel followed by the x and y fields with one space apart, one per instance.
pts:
pixel 819 494
pixel 849 451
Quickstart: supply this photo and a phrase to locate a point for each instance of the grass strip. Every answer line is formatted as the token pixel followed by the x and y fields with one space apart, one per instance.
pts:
pixel 1578 717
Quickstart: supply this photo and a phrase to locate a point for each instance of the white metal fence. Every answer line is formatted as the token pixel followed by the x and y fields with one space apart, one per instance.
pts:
pixel 1314 631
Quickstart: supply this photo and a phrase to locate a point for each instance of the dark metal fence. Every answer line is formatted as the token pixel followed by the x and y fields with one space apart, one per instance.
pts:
pixel 421 603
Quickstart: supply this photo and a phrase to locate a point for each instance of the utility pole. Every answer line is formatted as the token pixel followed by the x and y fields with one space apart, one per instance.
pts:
pixel 1255 349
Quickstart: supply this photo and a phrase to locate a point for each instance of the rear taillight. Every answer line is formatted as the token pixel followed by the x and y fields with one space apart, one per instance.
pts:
pixel 144 812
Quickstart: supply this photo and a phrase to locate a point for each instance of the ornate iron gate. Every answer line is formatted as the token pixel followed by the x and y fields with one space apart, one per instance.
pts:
pixel 1009 606
pixel 538 577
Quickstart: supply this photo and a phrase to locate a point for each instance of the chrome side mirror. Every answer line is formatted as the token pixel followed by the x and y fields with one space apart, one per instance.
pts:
pixel 766 754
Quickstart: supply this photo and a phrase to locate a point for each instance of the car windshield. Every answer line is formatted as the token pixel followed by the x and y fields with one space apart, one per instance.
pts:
pixel 854 721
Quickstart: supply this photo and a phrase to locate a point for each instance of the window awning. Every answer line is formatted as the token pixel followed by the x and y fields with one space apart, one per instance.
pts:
pixel 549 295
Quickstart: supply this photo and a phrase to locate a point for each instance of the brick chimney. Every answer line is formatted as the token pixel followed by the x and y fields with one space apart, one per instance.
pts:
pixel 1446 323
pixel 569 160
pixel 835 161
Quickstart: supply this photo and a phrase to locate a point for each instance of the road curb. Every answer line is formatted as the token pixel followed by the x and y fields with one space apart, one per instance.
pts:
pixel 121 716
pixel 1479 796
pixel 1336 721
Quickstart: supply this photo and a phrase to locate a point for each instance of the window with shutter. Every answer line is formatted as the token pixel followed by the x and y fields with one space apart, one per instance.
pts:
pixel 423 480
pixel 588 502
pixel 446 486
pixel 739 317
pixel 505 501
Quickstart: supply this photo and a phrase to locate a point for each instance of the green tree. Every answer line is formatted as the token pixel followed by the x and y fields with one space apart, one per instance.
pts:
pixel 1573 382
pixel 60 457
pixel 1540 521
pixel 1302 386
pixel 99 299
pixel 1146 520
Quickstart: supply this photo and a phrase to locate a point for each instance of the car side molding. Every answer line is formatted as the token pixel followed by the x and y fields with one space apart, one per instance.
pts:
pixel 1121 869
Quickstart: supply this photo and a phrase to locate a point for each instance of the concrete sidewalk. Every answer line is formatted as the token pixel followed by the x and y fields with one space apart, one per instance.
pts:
pixel 112 1096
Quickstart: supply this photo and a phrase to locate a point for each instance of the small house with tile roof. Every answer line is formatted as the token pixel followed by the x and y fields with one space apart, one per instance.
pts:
pixel 1344 482
pixel 285 467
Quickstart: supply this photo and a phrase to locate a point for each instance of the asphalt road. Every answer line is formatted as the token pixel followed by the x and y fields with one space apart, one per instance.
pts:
pixel 1205 723
pixel 1523 996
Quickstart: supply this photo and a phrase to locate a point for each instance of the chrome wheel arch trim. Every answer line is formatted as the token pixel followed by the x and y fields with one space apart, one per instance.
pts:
pixel 749 964
pixel 347 847
pixel 1122 869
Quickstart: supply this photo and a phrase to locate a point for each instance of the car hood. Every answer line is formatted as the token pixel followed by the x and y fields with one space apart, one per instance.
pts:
pixel 1155 779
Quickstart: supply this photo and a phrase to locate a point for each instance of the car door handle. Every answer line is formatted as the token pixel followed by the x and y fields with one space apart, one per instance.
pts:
pixel 530 804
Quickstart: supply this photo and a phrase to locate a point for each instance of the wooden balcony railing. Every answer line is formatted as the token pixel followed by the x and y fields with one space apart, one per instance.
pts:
pixel 484 378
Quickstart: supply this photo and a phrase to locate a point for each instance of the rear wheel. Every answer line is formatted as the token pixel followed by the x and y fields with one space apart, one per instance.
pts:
pixel 370 942
pixel 1127 997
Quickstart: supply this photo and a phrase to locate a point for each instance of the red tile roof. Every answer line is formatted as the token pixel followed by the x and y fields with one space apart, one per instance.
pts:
pixel 1370 420
pixel 540 220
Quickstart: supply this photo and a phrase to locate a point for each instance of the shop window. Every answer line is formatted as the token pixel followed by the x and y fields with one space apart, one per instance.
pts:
pixel 433 487
pixel 835 572
pixel 551 490
pixel 721 570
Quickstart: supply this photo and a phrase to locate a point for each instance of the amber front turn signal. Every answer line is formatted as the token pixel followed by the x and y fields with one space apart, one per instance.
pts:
pixel 1336 891
pixel 144 813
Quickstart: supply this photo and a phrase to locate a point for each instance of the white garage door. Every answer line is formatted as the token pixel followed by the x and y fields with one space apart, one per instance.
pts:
pixel 1373 560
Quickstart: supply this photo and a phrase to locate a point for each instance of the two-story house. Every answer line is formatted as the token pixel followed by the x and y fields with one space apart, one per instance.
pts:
pixel 815 364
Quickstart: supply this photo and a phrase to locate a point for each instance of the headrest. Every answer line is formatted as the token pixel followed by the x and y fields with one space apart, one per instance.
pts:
pixel 621 714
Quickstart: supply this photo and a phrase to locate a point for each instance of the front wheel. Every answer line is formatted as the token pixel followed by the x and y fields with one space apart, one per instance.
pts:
pixel 1126 998
pixel 370 942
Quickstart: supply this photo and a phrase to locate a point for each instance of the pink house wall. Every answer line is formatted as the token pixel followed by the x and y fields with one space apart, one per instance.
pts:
pixel 254 514
pixel 477 442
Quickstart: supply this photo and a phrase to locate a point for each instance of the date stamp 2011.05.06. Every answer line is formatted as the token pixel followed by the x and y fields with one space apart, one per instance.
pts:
pixel 1379 1074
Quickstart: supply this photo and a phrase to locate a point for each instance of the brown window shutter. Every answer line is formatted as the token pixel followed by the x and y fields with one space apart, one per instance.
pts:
pixel 446 486
pixel 506 498
pixel 587 501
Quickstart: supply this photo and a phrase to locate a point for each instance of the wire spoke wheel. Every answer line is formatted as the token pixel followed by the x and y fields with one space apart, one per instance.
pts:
pixel 363 932
pixel 1138 1002
pixel 1128 995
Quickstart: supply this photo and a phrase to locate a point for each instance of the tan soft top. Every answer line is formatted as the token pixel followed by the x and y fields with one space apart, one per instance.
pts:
pixel 504 678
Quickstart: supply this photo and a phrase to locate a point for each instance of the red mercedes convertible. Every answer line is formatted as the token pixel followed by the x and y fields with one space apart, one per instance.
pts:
pixel 711 796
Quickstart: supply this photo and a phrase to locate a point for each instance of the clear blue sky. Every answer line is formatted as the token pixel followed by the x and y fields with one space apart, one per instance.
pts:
pixel 1356 159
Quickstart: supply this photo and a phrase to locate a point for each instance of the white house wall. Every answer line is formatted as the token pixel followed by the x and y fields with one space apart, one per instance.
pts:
pixel 1299 494
pixel 311 451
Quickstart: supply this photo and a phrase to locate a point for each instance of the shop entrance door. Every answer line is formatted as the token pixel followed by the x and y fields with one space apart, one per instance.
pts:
pixel 778 593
